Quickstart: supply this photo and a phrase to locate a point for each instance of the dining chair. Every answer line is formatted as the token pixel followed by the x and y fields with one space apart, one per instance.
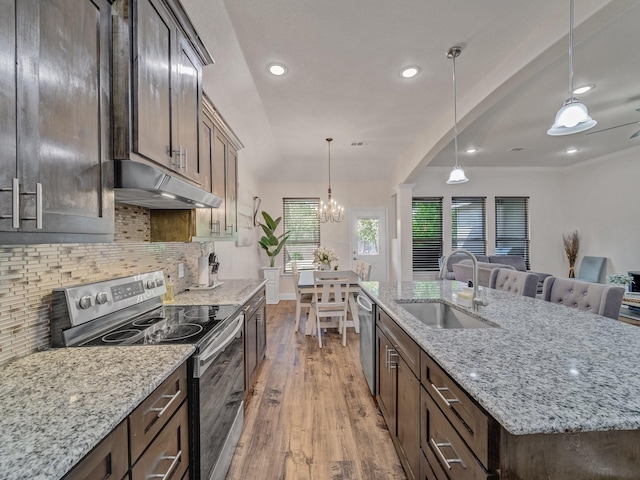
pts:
pixel 592 269
pixel 331 300
pixel 365 273
pixel 359 265
pixel 303 300
pixel 514 281
pixel 591 297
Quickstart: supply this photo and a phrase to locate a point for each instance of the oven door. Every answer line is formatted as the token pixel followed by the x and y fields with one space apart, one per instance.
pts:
pixel 216 402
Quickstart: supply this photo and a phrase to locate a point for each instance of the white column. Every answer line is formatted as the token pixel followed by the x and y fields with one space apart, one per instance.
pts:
pixel 404 247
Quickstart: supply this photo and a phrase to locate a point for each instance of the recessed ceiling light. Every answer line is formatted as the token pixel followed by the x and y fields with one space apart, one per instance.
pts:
pixel 583 89
pixel 168 195
pixel 277 69
pixel 571 151
pixel 471 150
pixel 410 71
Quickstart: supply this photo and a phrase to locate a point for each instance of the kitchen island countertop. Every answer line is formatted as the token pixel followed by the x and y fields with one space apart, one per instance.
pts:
pixel 58 404
pixel 546 369
pixel 231 292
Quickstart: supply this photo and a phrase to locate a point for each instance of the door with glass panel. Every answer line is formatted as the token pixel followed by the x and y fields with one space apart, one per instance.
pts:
pixel 368 240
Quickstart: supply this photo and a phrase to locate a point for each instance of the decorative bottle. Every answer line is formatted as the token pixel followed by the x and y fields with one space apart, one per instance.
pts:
pixel 168 296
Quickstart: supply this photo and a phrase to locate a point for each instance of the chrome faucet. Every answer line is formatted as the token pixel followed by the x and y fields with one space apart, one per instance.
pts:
pixel 477 299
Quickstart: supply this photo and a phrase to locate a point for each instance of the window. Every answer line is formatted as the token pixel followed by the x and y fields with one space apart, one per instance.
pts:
pixel 426 225
pixel 468 220
pixel 301 220
pixel 512 227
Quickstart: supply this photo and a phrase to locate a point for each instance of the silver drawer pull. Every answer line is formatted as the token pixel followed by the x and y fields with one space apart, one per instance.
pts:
pixel 172 467
pixel 447 461
pixel 392 363
pixel 446 400
pixel 161 411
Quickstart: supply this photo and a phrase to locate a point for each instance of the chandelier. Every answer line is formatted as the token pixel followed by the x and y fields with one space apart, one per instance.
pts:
pixel 331 211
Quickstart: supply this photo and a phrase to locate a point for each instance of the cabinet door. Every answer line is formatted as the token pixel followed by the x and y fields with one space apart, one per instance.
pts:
pixel 408 416
pixel 207 136
pixel 187 82
pixel 218 182
pixel 250 350
pixel 261 332
pixel 386 394
pixel 231 198
pixel 63 119
pixel 153 122
pixel 8 106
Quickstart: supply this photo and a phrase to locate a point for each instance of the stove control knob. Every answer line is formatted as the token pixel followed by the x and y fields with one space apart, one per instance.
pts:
pixel 151 284
pixel 102 298
pixel 159 282
pixel 86 302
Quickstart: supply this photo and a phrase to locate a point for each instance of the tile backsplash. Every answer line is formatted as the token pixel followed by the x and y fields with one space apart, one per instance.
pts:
pixel 28 274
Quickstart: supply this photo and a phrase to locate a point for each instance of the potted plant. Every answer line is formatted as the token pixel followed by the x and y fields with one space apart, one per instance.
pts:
pixel 272 244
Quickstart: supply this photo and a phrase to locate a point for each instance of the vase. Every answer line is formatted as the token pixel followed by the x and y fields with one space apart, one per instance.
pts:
pixel 325 266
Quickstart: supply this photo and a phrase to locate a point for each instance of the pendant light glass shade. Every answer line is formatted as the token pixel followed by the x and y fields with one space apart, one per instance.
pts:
pixel 331 211
pixel 457 174
pixel 573 116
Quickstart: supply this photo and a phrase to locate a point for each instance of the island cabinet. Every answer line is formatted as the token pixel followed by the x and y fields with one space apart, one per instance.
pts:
pixel 153 442
pixel 255 338
pixel 456 436
pixel 398 392
pixel 56 179
pixel 158 60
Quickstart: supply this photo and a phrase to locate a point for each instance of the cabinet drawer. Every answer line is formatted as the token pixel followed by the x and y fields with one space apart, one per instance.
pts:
pixel 477 428
pixel 429 467
pixel 405 346
pixel 446 449
pixel 109 460
pixel 148 419
pixel 168 455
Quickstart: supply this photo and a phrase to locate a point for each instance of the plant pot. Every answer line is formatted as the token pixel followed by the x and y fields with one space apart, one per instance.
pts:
pixel 272 276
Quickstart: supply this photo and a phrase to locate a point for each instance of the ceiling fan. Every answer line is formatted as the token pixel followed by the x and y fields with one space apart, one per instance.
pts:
pixel 637 134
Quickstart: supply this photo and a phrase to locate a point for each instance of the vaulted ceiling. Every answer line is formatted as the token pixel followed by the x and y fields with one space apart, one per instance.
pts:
pixel 344 57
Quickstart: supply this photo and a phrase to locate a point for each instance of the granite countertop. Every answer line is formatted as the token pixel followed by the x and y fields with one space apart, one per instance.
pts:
pixel 58 404
pixel 231 292
pixel 546 369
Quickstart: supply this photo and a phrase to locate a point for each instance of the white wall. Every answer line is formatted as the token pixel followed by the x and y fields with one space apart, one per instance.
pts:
pixel 350 195
pixel 601 202
pixel 544 187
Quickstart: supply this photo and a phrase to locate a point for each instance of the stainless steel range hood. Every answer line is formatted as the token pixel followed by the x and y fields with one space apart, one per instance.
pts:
pixel 140 184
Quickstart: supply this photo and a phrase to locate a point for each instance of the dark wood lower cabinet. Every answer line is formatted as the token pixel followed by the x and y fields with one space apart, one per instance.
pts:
pixel 156 433
pixel 255 336
pixel 108 461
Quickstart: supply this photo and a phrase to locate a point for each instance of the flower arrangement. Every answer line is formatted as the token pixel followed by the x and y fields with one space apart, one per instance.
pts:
pixel 325 255
pixel 571 243
pixel 620 279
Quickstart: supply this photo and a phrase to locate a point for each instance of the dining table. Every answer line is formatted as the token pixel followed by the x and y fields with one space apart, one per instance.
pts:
pixel 305 284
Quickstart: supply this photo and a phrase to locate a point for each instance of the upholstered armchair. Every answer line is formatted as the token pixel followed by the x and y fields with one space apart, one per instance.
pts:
pixel 591 297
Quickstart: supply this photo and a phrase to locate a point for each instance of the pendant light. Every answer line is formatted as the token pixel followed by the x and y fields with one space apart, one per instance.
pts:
pixel 573 116
pixel 457 174
pixel 331 211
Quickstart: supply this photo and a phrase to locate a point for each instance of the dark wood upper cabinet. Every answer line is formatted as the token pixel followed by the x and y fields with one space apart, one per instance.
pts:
pixel 158 60
pixel 56 181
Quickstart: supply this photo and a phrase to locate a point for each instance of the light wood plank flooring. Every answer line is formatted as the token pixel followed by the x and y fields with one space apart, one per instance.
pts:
pixel 311 415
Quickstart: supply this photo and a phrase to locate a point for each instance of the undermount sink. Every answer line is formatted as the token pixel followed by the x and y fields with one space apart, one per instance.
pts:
pixel 441 315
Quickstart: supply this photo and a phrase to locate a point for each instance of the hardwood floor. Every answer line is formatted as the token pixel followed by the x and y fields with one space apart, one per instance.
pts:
pixel 311 415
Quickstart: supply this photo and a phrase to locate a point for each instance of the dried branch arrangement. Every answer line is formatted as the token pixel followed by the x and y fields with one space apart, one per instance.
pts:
pixel 571 246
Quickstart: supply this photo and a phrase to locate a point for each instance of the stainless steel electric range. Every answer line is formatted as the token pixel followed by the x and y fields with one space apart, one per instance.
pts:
pixel 129 311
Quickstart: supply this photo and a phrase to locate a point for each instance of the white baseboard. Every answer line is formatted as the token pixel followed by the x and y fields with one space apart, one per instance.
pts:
pixel 287 296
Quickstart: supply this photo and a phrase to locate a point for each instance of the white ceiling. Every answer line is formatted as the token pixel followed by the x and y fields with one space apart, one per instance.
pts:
pixel 344 57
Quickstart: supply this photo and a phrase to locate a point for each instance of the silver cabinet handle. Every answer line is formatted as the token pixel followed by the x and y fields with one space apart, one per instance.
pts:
pixel 15 194
pixel 186 158
pixel 446 400
pixel 447 461
pixel 392 363
pixel 15 202
pixel 172 467
pixel 161 411
pixel 39 206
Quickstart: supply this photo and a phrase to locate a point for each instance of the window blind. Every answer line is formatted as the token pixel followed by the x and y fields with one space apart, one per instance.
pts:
pixel 512 227
pixel 426 225
pixel 301 220
pixel 468 224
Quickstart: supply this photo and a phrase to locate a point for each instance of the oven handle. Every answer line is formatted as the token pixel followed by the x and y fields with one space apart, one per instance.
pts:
pixel 202 360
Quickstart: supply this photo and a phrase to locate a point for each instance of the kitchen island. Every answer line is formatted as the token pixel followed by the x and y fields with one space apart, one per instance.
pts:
pixel 58 404
pixel 546 373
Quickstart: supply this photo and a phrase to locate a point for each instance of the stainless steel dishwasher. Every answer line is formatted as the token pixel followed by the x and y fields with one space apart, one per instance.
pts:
pixel 367 317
